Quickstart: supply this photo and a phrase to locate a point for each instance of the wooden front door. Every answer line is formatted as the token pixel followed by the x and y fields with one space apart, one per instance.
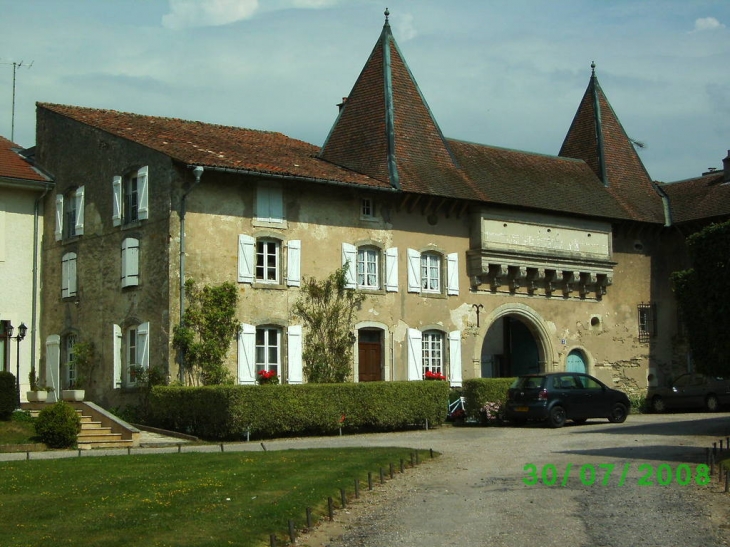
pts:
pixel 370 351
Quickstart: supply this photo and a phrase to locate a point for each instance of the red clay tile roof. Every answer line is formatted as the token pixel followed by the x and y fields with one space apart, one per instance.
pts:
pixel 625 175
pixel 212 145
pixel 535 180
pixel 705 197
pixel 14 166
pixel 386 130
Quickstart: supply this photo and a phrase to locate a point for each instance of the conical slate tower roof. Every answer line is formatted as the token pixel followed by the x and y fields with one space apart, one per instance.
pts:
pixel 386 130
pixel 597 137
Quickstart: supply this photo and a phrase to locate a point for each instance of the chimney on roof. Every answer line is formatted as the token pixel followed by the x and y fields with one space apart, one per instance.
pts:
pixel 726 168
pixel 342 104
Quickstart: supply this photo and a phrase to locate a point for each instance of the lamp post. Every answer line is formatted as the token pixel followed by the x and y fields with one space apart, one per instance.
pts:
pixel 22 331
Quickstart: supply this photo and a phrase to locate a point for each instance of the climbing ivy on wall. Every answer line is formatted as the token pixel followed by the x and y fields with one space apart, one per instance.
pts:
pixel 204 336
pixel 704 299
pixel 328 310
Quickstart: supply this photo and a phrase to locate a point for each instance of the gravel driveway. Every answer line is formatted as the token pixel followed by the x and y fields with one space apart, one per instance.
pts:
pixel 475 493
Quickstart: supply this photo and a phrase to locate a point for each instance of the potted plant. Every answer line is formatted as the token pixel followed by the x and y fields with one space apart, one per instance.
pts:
pixel 83 362
pixel 38 392
pixel 267 377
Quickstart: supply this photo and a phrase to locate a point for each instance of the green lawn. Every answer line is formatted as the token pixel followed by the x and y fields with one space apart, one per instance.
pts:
pixel 18 430
pixel 178 499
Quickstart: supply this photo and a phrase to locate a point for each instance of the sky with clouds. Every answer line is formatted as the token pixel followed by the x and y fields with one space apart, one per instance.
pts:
pixel 507 74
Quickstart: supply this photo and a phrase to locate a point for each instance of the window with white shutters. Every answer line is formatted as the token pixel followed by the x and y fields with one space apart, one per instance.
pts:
pixel 130 197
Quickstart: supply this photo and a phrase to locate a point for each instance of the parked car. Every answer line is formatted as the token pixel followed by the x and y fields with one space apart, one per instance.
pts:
pixel 559 396
pixel 691 390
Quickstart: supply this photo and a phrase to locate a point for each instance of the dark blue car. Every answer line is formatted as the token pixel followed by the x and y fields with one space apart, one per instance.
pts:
pixel 559 396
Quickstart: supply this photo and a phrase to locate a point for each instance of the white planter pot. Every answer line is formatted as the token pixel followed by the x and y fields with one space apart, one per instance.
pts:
pixel 36 396
pixel 73 394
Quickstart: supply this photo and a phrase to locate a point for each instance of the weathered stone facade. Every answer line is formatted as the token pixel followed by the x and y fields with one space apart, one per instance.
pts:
pixel 476 261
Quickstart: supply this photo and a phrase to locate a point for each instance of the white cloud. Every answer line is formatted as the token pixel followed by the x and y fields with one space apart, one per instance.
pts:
pixel 707 23
pixel 403 28
pixel 207 13
pixel 313 4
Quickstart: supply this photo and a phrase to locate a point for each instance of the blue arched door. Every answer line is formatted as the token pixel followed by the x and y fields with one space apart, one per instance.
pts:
pixel 576 362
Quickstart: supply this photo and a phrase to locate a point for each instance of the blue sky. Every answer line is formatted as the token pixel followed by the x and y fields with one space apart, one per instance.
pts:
pixel 507 74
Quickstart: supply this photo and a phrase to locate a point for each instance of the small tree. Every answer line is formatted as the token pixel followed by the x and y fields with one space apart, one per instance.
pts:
pixel 328 310
pixel 204 337
pixel 704 300
pixel 84 361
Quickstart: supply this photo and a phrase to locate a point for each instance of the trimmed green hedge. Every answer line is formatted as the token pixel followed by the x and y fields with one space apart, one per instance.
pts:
pixel 227 412
pixel 479 391
pixel 8 395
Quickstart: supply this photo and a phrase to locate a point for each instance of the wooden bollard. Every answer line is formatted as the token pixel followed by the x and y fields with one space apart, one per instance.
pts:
pixel 309 518
pixel 431 450
pixel 292 534
pixel 402 466
pixel 370 480
pixel 727 475
pixel 330 508
pixel 272 540
pixel 357 488
pixel 391 470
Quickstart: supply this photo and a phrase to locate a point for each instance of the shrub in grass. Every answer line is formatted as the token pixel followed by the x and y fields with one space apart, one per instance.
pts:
pixel 8 395
pixel 58 425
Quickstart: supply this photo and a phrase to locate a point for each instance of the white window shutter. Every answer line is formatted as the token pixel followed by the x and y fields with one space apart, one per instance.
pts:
pixel 130 262
pixel 293 269
pixel 117 357
pixel 246 255
pixel 142 188
pixel 72 281
pixel 414 271
pixel 455 358
pixel 117 204
pixel 59 217
pixel 68 275
pixel 53 361
pixel 246 354
pixel 391 269
pixel 294 354
pixel 79 211
pixel 415 354
pixel 452 271
pixel 143 345
pixel 349 257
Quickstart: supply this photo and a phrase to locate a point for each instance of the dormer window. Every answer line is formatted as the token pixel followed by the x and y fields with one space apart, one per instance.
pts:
pixel 367 209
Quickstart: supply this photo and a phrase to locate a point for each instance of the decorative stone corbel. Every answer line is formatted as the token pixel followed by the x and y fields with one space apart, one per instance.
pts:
pixel 516 273
pixel 550 277
pixel 587 280
pixel 569 281
pixel 533 276
pixel 497 273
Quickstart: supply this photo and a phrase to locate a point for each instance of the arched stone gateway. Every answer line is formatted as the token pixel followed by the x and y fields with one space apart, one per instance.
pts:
pixel 514 340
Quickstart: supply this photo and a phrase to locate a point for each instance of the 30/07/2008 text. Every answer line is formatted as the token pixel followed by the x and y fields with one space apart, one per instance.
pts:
pixel 589 474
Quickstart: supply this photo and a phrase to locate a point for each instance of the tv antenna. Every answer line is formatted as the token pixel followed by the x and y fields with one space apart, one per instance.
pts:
pixel 16 66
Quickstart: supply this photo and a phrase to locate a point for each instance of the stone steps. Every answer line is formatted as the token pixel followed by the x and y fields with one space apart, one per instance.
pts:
pixel 94 435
